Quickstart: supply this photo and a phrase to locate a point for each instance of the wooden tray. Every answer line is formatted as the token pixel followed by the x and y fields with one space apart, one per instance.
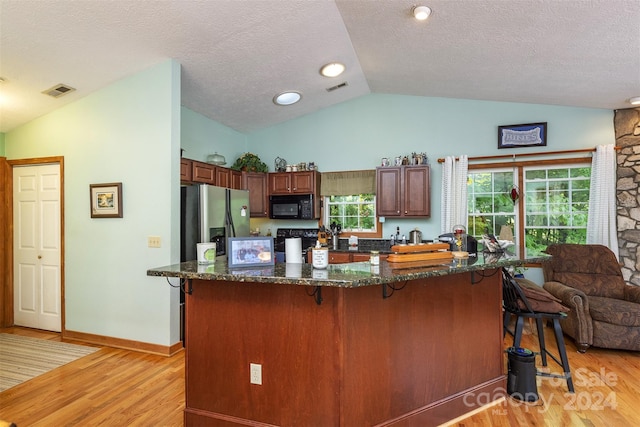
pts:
pixel 423 247
pixel 420 256
pixel 435 264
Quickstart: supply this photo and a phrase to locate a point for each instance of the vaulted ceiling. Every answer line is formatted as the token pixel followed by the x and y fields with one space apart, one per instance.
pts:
pixel 236 54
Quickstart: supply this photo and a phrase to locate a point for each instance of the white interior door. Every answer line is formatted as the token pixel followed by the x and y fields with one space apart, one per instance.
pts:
pixel 37 247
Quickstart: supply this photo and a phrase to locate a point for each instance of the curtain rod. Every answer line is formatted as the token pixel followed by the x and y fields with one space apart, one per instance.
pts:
pixel 546 153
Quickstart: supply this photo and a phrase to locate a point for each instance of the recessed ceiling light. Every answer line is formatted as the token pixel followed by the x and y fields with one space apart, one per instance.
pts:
pixel 287 98
pixel 421 12
pixel 635 100
pixel 333 69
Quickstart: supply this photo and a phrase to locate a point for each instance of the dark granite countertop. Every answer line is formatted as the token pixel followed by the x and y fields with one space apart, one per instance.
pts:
pixel 349 275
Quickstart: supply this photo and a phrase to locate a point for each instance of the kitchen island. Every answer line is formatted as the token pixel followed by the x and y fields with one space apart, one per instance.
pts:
pixel 352 345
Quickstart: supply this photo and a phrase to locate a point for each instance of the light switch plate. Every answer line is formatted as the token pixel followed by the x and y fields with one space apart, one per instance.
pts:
pixel 153 241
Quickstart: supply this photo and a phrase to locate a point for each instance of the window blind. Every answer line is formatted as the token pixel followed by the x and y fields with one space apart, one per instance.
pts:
pixel 346 183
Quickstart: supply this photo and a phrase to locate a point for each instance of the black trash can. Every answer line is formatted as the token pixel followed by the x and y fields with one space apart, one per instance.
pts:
pixel 521 377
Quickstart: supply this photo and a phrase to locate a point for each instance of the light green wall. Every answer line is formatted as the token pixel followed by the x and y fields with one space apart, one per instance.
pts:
pixel 2 144
pixel 132 132
pixel 358 133
pixel 202 136
pixel 127 132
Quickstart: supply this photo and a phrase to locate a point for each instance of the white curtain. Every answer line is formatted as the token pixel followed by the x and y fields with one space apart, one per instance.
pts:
pixel 453 208
pixel 601 224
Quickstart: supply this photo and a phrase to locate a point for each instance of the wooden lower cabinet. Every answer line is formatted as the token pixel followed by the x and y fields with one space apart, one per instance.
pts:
pixel 430 352
pixel 339 257
pixel 344 257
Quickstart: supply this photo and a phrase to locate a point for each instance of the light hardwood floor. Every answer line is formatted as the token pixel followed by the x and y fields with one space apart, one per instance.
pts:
pixel 124 388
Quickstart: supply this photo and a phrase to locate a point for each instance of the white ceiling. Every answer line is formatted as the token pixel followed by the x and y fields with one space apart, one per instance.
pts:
pixel 236 54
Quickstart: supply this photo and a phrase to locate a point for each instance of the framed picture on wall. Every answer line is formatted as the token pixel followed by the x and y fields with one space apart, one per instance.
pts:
pixel 106 200
pixel 526 135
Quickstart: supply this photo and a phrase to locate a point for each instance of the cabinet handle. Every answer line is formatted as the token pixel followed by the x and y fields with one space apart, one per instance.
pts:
pixel 398 212
pixel 39 256
pixel 405 212
pixel 295 188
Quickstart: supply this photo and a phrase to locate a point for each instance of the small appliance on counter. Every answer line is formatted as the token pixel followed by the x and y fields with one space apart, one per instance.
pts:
pixel 472 243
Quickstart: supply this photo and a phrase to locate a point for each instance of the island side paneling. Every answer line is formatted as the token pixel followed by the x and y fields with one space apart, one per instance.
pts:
pixel 356 359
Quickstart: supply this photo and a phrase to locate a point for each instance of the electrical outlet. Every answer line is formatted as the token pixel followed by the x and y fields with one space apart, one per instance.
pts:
pixel 255 373
pixel 153 241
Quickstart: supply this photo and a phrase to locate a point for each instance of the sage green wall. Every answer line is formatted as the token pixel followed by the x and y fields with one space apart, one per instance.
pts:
pixel 127 132
pixel 1 144
pixel 201 137
pixel 358 133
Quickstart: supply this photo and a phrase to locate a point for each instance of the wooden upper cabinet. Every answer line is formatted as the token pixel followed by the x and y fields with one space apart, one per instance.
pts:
pixel 236 179
pixel 306 182
pixel 388 184
pixel 256 183
pixel 417 189
pixel 223 177
pixel 403 191
pixel 280 183
pixel 203 173
pixel 185 170
pixel 193 171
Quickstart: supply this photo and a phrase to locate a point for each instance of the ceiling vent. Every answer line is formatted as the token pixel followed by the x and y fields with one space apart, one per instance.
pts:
pixel 58 90
pixel 341 85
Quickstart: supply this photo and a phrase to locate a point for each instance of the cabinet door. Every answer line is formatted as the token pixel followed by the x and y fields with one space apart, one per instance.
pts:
pixel 339 257
pixel 223 177
pixel 303 182
pixel 256 183
pixel 360 257
pixel 388 192
pixel 185 170
pixel 203 172
pixel 416 191
pixel 280 183
pixel 236 179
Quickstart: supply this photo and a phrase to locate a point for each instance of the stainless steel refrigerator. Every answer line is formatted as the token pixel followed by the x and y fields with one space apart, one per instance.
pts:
pixel 211 214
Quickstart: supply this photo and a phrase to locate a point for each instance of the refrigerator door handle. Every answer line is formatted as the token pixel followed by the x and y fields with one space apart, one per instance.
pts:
pixel 232 228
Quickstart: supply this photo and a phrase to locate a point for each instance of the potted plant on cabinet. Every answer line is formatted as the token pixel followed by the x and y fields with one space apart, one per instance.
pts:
pixel 249 162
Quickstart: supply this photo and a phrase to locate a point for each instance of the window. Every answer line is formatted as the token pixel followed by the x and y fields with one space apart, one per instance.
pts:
pixel 553 204
pixel 556 205
pixel 490 204
pixel 355 213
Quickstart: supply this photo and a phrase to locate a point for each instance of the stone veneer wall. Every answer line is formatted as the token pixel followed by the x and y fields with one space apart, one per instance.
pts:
pixel 627 130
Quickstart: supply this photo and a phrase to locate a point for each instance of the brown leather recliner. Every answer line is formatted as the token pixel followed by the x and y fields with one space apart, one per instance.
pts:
pixel 605 310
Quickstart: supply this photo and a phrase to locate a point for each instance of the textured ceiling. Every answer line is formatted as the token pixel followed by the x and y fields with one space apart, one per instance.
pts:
pixel 236 55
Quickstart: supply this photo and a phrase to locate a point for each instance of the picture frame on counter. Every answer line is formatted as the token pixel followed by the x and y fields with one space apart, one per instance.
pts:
pixel 250 251
pixel 524 135
pixel 106 200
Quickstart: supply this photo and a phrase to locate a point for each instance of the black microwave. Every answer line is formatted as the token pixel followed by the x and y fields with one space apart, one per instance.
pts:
pixel 291 206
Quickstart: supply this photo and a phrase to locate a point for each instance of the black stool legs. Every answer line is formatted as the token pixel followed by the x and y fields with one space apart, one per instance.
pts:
pixel 517 337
